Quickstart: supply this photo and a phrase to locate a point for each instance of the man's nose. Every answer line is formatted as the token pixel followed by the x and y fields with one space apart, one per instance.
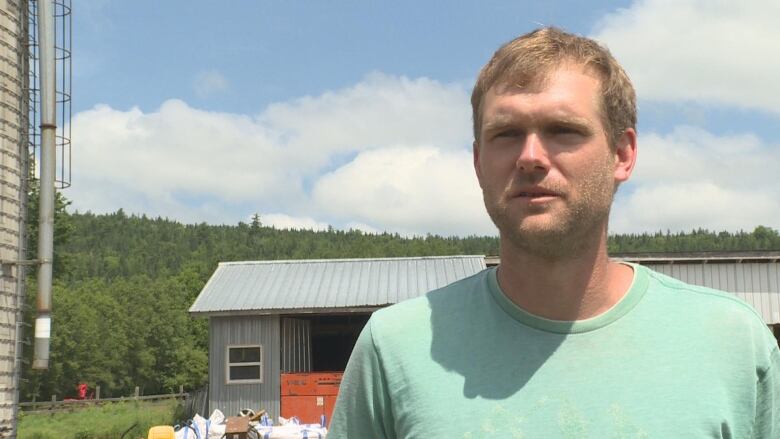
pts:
pixel 533 155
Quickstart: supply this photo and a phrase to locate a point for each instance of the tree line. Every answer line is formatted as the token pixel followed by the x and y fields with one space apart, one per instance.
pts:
pixel 123 284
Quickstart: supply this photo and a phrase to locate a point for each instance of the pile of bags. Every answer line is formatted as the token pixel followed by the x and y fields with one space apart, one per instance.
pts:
pixel 214 428
pixel 201 428
pixel 291 429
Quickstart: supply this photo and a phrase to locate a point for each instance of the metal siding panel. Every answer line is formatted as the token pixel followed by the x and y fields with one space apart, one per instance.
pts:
pixel 698 273
pixel 754 299
pixel 675 271
pixel 709 275
pixel 773 272
pixel 739 278
pixel 449 272
pixel 263 330
pixel 403 281
pixel 682 272
pixel 295 345
pixel 394 281
pixel 390 283
pixel 774 308
pixel 767 293
pixel 728 274
pixel 458 269
pixel 412 280
pixel 423 274
pixel 755 282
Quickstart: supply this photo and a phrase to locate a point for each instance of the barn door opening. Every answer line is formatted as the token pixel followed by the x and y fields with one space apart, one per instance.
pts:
pixel 332 340
pixel 320 342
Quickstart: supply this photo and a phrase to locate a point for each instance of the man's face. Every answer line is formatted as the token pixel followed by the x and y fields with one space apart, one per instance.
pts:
pixel 544 164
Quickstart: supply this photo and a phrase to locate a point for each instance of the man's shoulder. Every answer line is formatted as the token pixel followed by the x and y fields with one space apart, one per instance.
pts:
pixel 721 311
pixel 704 298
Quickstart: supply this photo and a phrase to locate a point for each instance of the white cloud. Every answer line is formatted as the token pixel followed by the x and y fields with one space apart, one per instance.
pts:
pixel 382 110
pixel 210 82
pixel 283 221
pixel 691 178
pixel 720 52
pixel 195 165
pixel 388 154
pixel 176 153
pixel 410 190
pixel 362 227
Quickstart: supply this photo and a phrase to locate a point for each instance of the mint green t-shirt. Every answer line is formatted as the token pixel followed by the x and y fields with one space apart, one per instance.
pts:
pixel 670 360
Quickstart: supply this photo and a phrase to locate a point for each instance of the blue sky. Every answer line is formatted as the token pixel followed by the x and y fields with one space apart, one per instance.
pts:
pixel 356 113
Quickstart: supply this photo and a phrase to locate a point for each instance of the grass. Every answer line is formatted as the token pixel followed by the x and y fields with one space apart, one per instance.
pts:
pixel 99 422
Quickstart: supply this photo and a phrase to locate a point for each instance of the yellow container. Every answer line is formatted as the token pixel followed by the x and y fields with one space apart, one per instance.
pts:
pixel 161 432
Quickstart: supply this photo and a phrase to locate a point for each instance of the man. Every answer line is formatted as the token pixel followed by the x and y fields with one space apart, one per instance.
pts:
pixel 559 341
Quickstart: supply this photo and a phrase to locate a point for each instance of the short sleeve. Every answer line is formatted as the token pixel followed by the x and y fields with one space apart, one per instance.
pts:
pixel 767 423
pixel 363 408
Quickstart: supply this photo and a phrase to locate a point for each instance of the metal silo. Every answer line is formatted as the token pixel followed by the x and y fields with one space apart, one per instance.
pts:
pixel 14 154
pixel 19 142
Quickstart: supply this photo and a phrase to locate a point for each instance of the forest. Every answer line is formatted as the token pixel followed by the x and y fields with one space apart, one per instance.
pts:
pixel 123 284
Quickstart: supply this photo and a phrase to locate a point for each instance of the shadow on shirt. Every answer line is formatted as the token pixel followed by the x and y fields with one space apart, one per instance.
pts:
pixel 474 337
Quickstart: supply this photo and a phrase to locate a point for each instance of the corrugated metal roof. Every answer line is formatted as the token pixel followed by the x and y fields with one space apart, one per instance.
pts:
pixel 270 287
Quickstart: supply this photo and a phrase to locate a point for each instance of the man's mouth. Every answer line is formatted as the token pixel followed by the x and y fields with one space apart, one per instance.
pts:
pixel 536 194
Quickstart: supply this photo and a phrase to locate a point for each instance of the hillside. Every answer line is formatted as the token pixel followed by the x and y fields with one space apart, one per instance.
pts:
pixel 123 284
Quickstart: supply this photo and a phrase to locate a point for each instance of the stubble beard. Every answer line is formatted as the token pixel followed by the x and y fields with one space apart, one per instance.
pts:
pixel 567 233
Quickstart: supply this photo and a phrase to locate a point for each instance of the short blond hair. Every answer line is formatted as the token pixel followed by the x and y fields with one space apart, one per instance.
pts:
pixel 530 58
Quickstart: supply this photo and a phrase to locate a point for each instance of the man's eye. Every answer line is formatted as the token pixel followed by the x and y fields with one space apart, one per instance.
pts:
pixel 562 129
pixel 508 133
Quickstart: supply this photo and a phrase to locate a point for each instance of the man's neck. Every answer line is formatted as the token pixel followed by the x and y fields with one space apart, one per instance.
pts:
pixel 570 288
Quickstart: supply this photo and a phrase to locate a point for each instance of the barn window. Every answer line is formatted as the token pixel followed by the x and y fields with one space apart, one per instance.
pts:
pixel 244 364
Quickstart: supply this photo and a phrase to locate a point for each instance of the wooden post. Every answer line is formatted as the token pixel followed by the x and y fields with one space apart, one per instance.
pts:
pixel 97 392
pixel 181 389
pixel 54 398
pixel 137 392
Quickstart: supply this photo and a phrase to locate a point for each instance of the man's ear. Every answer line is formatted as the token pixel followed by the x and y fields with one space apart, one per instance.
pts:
pixel 625 155
pixel 475 151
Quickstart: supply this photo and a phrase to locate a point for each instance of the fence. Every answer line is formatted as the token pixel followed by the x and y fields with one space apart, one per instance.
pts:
pixel 74 404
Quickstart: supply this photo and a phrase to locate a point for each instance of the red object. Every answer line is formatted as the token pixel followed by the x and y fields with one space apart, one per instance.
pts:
pixel 308 396
pixel 82 391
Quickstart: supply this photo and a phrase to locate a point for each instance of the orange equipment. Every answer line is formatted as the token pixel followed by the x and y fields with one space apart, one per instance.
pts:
pixel 308 396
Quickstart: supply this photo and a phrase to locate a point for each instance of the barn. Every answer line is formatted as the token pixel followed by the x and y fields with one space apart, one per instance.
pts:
pixel 268 318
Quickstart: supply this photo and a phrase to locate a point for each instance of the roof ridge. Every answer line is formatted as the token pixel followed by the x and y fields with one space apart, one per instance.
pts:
pixel 311 261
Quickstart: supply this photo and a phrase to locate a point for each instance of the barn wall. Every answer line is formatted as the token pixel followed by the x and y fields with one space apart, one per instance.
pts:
pixel 230 398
